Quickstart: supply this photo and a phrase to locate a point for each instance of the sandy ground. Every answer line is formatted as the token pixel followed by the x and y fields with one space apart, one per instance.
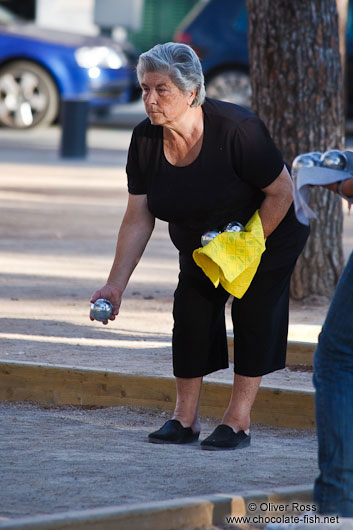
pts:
pixel 66 458
pixel 59 221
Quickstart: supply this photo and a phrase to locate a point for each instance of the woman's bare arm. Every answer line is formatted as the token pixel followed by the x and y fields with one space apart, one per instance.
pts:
pixel 278 198
pixel 135 231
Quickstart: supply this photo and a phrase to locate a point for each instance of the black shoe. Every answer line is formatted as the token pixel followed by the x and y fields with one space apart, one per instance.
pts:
pixel 172 432
pixel 224 438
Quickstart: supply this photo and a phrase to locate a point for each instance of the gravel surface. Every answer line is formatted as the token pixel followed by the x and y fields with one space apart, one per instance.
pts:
pixel 66 458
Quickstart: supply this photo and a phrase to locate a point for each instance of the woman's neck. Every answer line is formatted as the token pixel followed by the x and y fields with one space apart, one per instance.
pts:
pixel 182 142
pixel 187 128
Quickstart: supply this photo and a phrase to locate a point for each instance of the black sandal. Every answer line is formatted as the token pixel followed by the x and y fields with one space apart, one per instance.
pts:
pixel 172 432
pixel 224 438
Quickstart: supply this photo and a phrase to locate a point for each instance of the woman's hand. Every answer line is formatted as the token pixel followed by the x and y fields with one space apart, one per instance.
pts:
pixel 113 294
pixel 344 188
pixel 332 187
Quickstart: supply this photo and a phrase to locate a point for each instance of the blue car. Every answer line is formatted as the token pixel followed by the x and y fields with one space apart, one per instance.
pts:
pixel 217 30
pixel 40 67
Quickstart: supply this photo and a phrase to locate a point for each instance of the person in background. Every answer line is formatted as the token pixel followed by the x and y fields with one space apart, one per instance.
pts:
pixel 333 381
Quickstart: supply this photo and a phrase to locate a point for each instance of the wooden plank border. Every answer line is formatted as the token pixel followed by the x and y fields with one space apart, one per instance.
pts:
pixel 176 514
pixel 63 385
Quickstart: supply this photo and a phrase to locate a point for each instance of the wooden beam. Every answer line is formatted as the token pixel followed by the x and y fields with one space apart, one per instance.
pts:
pixel 63 385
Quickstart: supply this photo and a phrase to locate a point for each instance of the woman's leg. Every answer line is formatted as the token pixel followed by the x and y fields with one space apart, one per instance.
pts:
pixel 199 332
pixel 242 399
pixel 187 402
pixel 199 347
pixel 260 322
pixel 234 430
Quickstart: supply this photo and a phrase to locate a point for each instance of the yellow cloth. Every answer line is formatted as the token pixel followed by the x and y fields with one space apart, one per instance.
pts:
pixel 232 258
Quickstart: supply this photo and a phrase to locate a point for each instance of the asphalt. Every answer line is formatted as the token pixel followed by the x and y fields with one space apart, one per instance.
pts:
pixel 59 223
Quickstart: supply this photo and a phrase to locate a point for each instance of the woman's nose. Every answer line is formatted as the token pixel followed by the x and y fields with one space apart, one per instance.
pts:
pixel 151 96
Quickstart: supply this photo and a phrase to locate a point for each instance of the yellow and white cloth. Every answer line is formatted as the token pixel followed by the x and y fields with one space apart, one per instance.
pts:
pixel 232 258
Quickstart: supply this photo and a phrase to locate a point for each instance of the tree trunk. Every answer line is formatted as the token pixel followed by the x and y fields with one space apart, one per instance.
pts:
pixel 342 10
pixel 297 90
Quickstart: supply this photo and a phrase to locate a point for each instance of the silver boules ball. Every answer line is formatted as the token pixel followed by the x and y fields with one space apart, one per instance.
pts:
pixel 334 159
pixel 101 309
pixel 234 226
pixel 305 160
pixel 208 236
pixel 316 155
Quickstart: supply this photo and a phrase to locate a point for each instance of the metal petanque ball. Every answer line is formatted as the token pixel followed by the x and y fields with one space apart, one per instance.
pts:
pixel 334 159
pixel 234 226
pixel 316 155
pixel 208 236
pixel 305 160
pixel 101 309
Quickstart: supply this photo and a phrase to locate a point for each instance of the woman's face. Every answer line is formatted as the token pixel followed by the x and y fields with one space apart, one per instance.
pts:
pixel 164 102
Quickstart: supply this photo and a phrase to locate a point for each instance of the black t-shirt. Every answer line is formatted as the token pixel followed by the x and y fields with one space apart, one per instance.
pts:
pixel 237 159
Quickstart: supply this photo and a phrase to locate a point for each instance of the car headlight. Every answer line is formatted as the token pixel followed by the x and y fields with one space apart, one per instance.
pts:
pixel 99 56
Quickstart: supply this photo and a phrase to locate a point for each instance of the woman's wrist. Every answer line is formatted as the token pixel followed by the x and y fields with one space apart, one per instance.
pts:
pixel 115 285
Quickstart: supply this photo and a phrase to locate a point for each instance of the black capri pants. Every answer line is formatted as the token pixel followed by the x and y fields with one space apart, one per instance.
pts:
pixel 260 317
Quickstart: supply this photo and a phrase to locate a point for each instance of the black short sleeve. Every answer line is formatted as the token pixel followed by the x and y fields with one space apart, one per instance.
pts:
pixel 136 179
pixel 256 158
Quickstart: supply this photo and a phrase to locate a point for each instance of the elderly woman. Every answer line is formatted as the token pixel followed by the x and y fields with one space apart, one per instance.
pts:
pixel 199 163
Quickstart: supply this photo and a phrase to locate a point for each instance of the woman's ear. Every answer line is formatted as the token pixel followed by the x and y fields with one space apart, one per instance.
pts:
pixel 192 96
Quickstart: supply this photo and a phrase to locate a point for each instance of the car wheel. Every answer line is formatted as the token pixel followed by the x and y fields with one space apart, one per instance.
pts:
pixel 28 96
pixel 230 85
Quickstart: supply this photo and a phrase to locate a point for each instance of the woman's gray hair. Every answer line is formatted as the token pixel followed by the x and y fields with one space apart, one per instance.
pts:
pixel 180 63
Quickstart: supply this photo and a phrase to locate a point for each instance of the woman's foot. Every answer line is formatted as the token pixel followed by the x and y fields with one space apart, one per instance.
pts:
pixel 237 424
pixel 224 438
pixel 172 432
pixel 195 425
